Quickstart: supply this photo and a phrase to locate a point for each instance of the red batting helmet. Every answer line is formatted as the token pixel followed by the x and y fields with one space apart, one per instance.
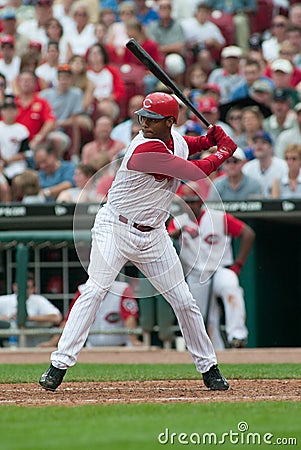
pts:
pixel 159 105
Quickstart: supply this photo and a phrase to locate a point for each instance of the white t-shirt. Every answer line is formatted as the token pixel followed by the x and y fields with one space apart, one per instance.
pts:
pixel 10 71
pixel 196 33
pixel 48 73
pixel 277 169
pixel 11 137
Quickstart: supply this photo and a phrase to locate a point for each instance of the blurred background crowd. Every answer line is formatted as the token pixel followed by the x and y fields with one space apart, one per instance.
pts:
pixel 69 88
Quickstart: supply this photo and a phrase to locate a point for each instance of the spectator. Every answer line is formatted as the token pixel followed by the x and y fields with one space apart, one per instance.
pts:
pixel 229 75
pixel 67 104
pixel 13 140
pixel 233 118
pixel 200 33
pixel 62 11
pixel 81 35
pixel 294 14
pixel 265 167
pixel 261 92
pixel 117 35
pixel 195 83
pixel 33 112
pixel 55 33
pixel 9 27
pixel 166 31
pixel 206 61
pixel 209 108
pixel 29 62
pixel 281 75
pixel 10 62
pixel 212 270
pixel 289 186
pixel 292 136
pixel 251 73
pixel 286 53
pixel 181 124
pixel 26 188
pixel 270 46
pixel 235 185
pixel 283 117
pixel 106 78
pixel 103 143
pixel 84 190
pixel 294 38
pixel 240 11
pixel 40 311
pixel 144 13
pixel 122 132
pixel 101 31
pixel 48 69
pixel 252 122
pixel 119 311
pixel 34 29
pixel 135 30
pixel 55 175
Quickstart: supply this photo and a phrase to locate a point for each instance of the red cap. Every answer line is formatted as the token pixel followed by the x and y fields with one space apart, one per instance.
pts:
pixel 7 39
pixel 35 44
pixel 212 87
pixel 208 104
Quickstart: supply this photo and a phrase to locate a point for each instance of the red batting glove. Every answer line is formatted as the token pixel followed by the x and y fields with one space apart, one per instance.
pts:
pixel 226 146
pixel 209 140
pixel 235 268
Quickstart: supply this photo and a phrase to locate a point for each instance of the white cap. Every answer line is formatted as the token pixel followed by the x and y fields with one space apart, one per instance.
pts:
pixel 239 154
pixel 283 65
pixel 174 64
pixel 232 51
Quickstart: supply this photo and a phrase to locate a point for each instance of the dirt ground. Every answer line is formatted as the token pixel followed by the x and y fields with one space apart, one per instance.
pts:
pixel 30 394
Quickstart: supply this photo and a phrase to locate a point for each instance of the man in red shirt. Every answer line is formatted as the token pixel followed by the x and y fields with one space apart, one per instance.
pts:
pixel 33 111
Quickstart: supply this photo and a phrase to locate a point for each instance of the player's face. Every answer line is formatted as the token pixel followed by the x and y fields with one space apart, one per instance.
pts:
pixel 156 128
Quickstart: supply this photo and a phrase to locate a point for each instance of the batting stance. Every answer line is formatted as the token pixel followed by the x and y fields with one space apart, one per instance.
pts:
pixel 131 227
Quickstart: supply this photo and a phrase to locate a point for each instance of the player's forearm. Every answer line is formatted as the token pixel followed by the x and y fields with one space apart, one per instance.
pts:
pixel 176 167
pixel 53 318
pixel 246 241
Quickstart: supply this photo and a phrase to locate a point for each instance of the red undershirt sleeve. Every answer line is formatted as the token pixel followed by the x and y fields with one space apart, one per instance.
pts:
pixel 154 158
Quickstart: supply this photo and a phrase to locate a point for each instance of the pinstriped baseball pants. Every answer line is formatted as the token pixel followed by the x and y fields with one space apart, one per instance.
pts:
pixel 113 244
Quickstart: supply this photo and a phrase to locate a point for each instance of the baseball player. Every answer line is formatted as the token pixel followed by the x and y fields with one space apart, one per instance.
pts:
pixel 207 256
pixel 119 310
pixel 131 227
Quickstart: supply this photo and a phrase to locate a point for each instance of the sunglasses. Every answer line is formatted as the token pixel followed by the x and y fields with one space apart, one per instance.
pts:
pixel 233 161
pixel 279 24
pixel 291 158
pixel 235 117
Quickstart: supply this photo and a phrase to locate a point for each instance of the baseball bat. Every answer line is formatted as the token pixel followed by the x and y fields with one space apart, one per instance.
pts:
pixel 162 76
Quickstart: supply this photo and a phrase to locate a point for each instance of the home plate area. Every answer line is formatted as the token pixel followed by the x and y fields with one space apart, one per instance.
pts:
pixel 173 391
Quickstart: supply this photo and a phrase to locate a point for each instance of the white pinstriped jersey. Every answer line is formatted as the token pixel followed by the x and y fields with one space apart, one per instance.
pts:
pixel 140 197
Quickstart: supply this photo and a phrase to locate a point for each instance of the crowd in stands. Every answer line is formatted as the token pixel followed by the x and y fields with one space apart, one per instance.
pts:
pixel 69 89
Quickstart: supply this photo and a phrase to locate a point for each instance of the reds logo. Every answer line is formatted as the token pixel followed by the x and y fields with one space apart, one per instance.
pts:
pixel 147 103
pixel 112 317
pixel 211 239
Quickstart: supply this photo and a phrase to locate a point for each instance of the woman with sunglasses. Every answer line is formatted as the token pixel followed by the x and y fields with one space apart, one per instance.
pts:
pixel 289 186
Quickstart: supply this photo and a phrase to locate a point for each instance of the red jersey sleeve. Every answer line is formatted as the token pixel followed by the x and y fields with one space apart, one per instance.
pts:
pixel 128 304
pixel 233 226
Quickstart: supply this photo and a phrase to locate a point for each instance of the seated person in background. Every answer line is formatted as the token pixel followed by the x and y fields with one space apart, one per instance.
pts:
pixel 55 175
pixel 235 185
pixel 5 191
pixel 119 310
pixel 84 190
pixel 26 188
pixel 34 112
pixel 283 116
pixel 40 311
pixel 122 131
pixel 13 140
pixel 103 143
pixel 212 272
pixel 289 186
pixel 265 167
pixel 67 104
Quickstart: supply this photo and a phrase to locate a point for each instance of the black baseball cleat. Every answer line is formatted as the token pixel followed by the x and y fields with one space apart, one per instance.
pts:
pixel 214 380
pixel 52 378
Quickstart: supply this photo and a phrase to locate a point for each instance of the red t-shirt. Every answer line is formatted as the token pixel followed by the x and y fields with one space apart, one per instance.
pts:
pixel 34 115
